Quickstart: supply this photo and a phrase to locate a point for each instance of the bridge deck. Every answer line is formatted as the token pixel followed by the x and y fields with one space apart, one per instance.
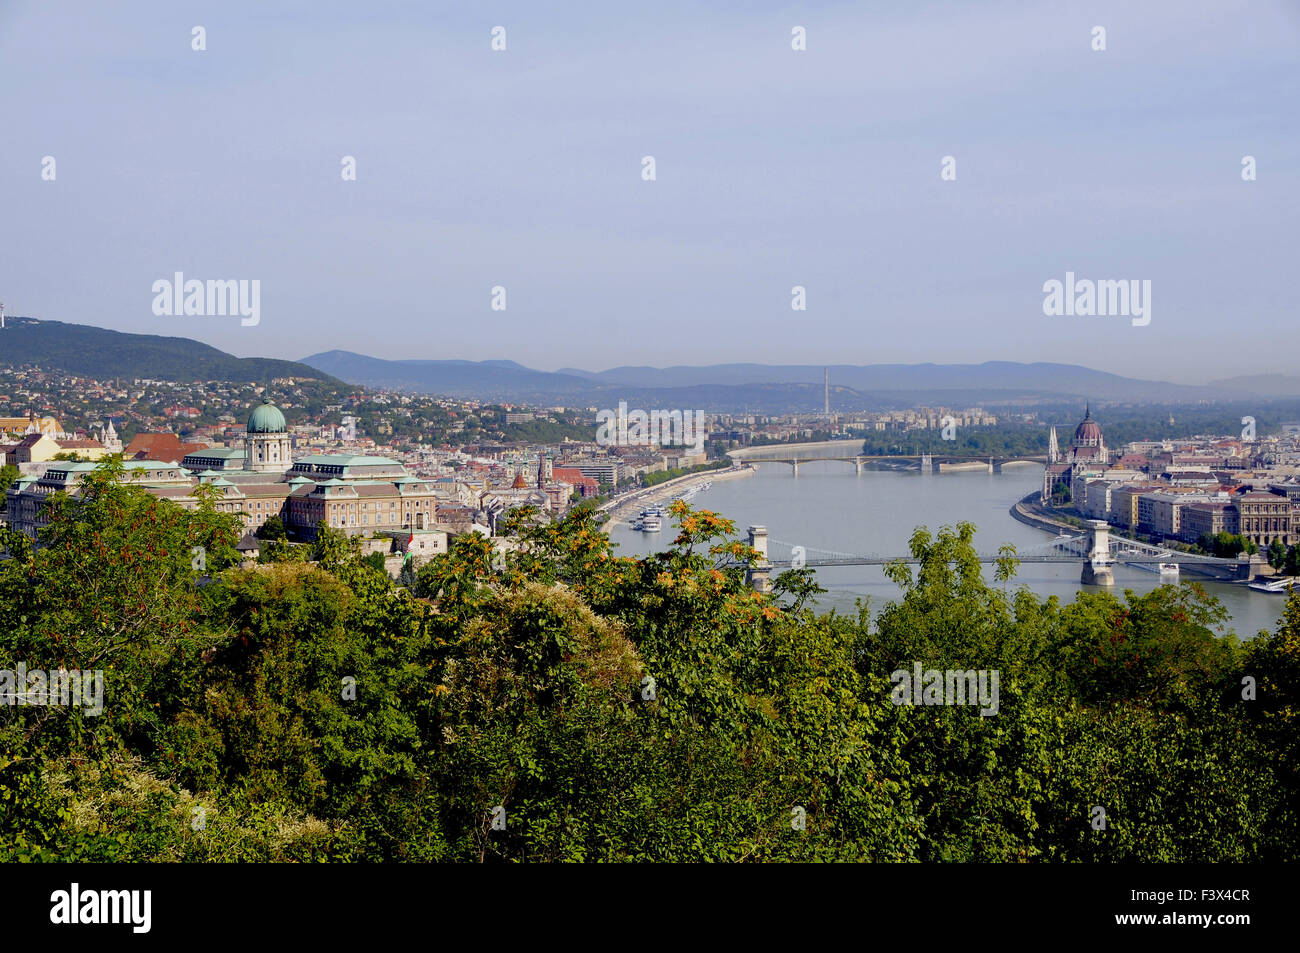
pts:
pixel 1062 558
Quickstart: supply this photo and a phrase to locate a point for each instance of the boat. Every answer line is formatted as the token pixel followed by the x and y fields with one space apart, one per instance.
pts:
pixel 1276 586
pixel 1166 570
pixel 695 490
pixel 650 519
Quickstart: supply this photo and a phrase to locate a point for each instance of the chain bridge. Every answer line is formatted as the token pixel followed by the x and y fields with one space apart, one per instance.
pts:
pixel 1095 548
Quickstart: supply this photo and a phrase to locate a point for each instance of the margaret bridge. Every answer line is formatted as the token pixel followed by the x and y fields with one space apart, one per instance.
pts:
pixel 849 451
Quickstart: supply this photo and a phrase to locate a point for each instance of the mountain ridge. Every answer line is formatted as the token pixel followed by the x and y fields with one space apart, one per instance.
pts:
pixel 755 386
pixel 90 351
pixel 84 350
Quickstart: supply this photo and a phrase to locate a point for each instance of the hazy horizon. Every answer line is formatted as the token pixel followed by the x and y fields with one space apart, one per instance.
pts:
pixel 522 168
pixel 612 367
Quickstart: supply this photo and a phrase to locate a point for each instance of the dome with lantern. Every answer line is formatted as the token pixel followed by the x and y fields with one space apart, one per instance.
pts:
pixel 266 419
pixel 1088 433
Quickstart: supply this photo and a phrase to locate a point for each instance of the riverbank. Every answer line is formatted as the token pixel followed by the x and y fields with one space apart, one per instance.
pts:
pixel 624 506
pixel 1030 511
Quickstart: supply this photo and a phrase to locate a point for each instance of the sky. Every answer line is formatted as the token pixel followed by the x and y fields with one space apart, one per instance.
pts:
pixel 774 168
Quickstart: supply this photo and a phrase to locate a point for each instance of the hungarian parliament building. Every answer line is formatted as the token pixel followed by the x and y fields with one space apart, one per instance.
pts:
pixel 1087 455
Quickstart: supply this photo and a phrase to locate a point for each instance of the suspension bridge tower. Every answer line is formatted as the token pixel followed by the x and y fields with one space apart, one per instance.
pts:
pixel 1097 566
pixel 759 575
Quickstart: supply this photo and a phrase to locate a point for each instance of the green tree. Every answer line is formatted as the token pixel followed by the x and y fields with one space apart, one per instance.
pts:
pixel 1277 554
pixel 273 529
pixel 8 476
pixel 618 708
pixel 333 548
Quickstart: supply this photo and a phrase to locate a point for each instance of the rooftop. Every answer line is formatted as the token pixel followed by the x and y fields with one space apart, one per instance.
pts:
pixel 219 453
pixel 345 460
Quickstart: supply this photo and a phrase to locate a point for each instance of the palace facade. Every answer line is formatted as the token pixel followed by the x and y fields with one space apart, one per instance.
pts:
pixel 355 494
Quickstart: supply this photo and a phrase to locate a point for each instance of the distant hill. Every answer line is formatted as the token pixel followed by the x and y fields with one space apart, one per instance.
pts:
pixel 1045 378
pixel 482 380
pixel 764 388
pixel 1265 385
pixel 761 388
pixel 82 350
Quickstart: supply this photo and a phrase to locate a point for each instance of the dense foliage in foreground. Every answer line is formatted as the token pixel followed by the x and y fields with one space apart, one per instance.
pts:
pixel 609 708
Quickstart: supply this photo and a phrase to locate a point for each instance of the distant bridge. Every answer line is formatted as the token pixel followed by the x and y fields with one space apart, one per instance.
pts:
pixel 850 451
pixel 1096 549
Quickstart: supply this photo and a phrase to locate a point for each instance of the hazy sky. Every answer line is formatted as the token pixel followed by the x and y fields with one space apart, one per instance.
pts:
pixel 774 168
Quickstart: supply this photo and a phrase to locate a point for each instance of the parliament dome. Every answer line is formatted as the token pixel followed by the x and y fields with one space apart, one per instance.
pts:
pixel 1088 433
pixel 266 419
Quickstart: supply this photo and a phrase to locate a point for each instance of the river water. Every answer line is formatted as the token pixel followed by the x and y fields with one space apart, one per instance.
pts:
pixel 830 507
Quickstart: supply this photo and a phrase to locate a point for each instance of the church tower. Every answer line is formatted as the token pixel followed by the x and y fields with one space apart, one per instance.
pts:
pixel 110 440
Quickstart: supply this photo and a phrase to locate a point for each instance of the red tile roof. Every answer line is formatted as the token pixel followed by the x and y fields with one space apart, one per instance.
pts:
pixel 164 447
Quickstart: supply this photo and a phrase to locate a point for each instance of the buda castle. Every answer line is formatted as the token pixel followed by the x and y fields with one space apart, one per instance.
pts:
pixel 355 494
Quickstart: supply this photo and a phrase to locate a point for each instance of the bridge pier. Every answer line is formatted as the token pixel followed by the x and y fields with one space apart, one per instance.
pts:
pixel 759 575
pixel 1250 567
pixel 794 465
pixel 1097 567
pixel 858 461
pixel 1097 574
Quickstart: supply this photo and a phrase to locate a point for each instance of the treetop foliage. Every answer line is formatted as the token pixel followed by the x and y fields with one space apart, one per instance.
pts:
pixel 614 708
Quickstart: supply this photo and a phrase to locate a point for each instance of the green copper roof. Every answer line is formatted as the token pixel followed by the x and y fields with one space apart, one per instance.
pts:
pixel 266 419
pixel 222 453
pixel 152 465
pixel 345 460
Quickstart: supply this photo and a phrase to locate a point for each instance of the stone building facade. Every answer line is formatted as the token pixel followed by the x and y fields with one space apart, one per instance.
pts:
pixel 359 495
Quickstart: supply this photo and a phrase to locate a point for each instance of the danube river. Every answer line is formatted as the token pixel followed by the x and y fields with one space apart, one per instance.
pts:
pixel 830 507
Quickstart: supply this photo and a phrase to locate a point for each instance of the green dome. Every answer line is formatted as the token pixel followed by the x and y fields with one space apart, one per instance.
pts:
pixel 266 419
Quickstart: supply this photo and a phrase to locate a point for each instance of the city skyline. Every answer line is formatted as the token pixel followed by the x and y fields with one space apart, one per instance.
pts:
pixel 818 432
